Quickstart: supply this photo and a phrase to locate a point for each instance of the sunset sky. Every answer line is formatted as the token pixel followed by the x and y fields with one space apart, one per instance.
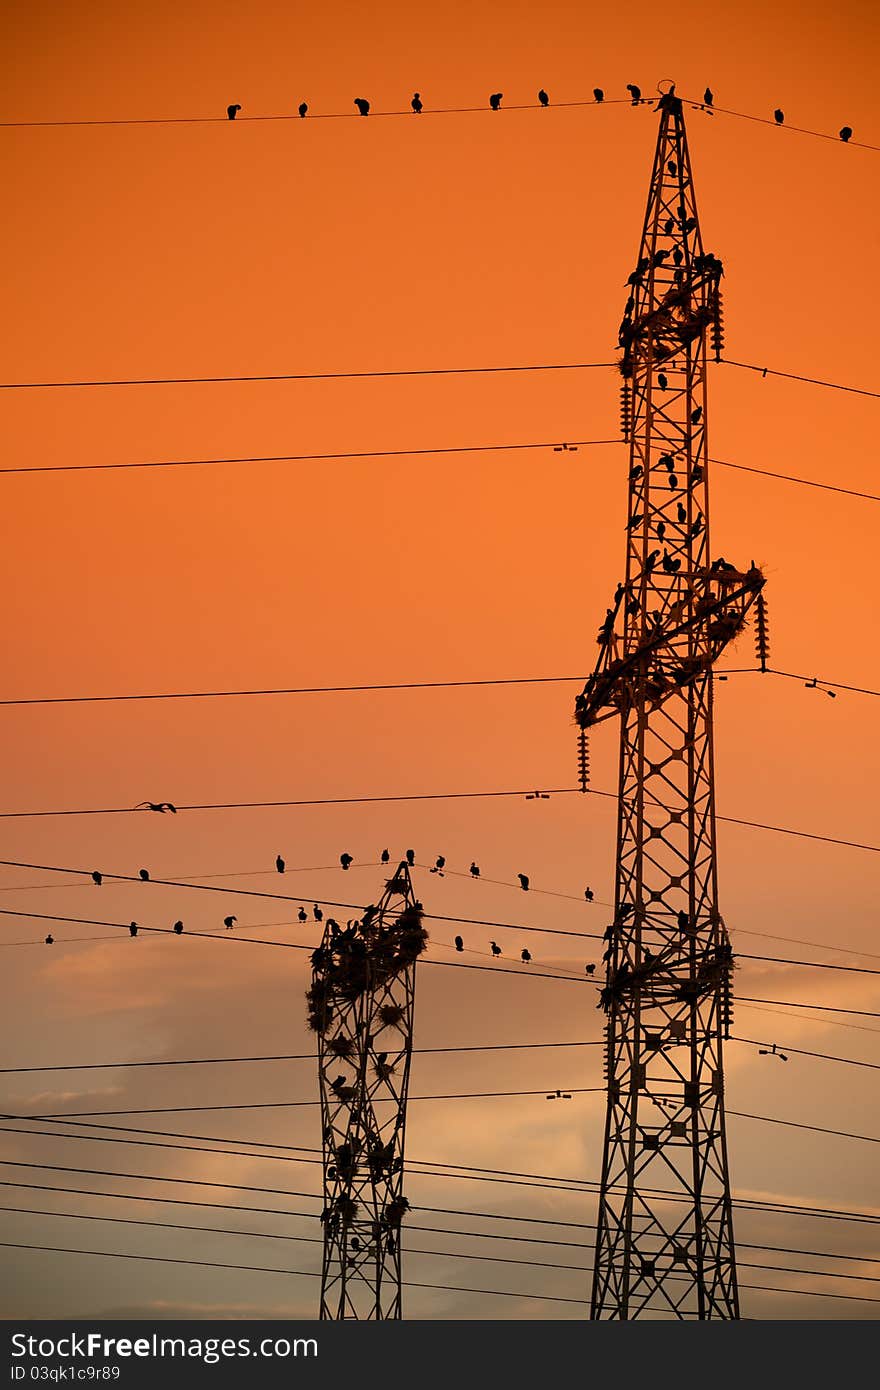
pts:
pixel 349 245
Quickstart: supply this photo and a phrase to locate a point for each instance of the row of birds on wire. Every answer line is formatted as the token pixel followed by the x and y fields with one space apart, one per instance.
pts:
pixel 345 860
pixel 543 99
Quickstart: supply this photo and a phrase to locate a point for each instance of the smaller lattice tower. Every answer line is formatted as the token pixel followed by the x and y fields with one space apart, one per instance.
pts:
pixel 361 1008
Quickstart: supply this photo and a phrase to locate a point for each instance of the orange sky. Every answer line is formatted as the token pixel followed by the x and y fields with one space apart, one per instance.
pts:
pixel 351 245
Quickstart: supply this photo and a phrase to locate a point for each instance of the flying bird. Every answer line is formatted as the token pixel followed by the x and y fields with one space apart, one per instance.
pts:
pixel 846 133
pixel 279 864
pixel 459 944
pixel 635 93
pixel 778 116
pixel 362 106
pixel 232 111
pixel 525 956
pixel 229 922
pixel 523 882
pixel 302 915
pixel 346 860
pixel 132 928
pixel 97 878
pixel 543 98
pixel 178 927
pixel 496 949
pixel 495 100
pixel 416 103
pixel 303 108
pixel 144 875
pixel 411 858
pixel 598 94
pixel 475 870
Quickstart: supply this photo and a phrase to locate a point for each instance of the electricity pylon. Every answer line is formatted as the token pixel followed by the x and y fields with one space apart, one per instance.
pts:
pixel 361 1008
pixel 665 1245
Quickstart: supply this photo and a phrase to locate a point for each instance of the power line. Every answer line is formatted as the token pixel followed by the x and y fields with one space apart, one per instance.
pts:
pixel 408 1284
pixel 793 376
pixel 361 689
pixel 410 1226
pixel 313 458
pixel 748 1204
pixel 790 478
pixel 283 1057
pixel 407 797
pixel 310 376
pixel 801 1052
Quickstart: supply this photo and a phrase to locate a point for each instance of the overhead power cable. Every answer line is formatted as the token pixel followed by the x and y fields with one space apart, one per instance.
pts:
pixel 373 689
pixel 407 1284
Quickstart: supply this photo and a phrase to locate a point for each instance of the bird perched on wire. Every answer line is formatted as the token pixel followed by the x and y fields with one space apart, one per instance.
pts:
pixel 303 108
pixel 317 913
pixel 416 103
pixel 232 111
pixel 598 94
pixel 708 96
pixel 97 877
pixel 459 944
pixel 303 915
pixel 846 134
pixel 475 870
pixel 362 106
pixel 525 956
pixel 411 858
pixel 495 100
pixel 50 940
pixel 279 864
pixel 386 857
pixel 346 860
pixel 496 949
pixel 635 92
pixel 523 882
pixel 178 927
pixel 229 922
pixel 543 98
pixel 588 894
pixel 590 969
pixel 132 928
pixel 144 875
pixel 778 116
pixel 160 806
pixel 439 866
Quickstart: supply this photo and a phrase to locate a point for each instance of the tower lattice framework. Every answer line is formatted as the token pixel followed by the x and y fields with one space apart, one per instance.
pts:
pixel 361 1005
pixel 665 1244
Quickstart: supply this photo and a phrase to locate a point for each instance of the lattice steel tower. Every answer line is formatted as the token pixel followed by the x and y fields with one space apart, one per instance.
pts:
pixel 361 1008
pixel 664 1245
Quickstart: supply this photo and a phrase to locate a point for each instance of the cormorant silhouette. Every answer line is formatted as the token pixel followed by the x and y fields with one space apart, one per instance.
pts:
pixel 846 133
pixel 525 956
pixel 543 98
pixel 229 922
pixel 598 94
pixel 362 106
pixel 496 949
pixel 778 116
pixel 303 915
pixel 635 92
pixel 49 940
pixel 411 858
pixel 416 103
pixel 708 96
pixel 132 928
pixel 279 864
pixel 459 944
pixel 144 875
pixel 475 870
pixel 523 882
pixel 303 108
pixel 178 927
pixel 232 111
pixel 495 100
pixel 97 878
pixel 317 913
pixel 439 866
pixel 588 894
pixel 346 860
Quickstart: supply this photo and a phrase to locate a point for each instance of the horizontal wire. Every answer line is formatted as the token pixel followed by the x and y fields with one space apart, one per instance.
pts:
pixel 744 1203
pixel 793 376
pixel 311 458
pixel 393 685
pixel 407 1284
pixel 311 376
pixel 410 1226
